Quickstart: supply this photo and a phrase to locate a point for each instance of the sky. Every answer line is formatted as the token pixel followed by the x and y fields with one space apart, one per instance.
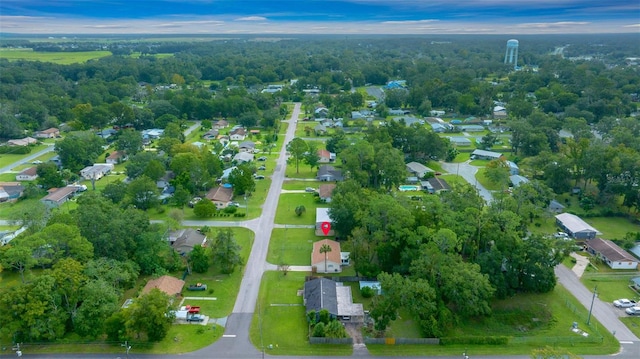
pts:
pixel 319 16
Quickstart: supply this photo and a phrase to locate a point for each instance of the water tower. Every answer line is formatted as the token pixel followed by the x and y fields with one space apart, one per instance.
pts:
pixel 511 55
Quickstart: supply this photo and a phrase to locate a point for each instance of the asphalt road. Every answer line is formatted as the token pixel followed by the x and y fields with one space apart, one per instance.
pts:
pixel 27 159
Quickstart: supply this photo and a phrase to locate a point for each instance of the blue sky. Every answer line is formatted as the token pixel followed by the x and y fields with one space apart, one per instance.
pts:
pixel 320 16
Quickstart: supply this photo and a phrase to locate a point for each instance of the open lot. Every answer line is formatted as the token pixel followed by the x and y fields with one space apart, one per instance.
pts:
pixel 291 246
pixel 285 214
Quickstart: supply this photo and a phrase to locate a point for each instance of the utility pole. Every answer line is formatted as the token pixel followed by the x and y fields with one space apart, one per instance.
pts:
pixel 127 346
pixel 593 299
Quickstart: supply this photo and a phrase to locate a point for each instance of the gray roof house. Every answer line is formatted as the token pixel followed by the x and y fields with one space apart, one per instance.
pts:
pixel 329 173
pixel 575 226
pixel 555 206
pixel 183 240
pixel 322 293
pixel 418 169
pixel 517 180
pixel 460 141
pixel 485 155
pixel 612 254
pixel 242 157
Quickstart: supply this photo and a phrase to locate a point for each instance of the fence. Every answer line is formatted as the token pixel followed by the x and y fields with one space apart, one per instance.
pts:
pixel 319 340
pixel 343 278
pixel 401 341
pixel 571 340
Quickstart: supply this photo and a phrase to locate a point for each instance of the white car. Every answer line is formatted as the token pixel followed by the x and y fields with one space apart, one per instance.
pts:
pixel 624 303
pixel 633 311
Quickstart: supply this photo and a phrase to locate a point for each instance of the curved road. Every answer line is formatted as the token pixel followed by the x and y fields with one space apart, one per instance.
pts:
pixel 468 172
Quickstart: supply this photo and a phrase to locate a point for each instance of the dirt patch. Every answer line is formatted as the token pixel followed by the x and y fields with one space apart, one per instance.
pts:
pixel 355 331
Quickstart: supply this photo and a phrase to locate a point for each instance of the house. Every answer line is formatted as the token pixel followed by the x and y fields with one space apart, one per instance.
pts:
pixel 116 157
pixel 439 127
pixel 333 259
pixel 437 113
pixel 106 133
pixel 396 85
pixel 323 293
pixel 227 172
pixel 10 191
pixel 247 146
pixel 329 173
pixel 612 254
pixel 356 115
pixel 221 196
pixel 435 185
pixel 152 134
pixel 165 181
pixel 321 112
pixel 183 240
pixel 499 112
pixel 29 174
pixel 418 169
pixel 485 155
pixel 472 128
pixel 517 180
pixel 320 129
pixel 635 283
pixel 22 142
pixel 555 206
pixel 326 156
pixel 322 216
pixel 239 134
pixel 409 120
pixel 96 171
pixel 58 196
pixel 575 227
pixel 325 191
pixel 212 134
pixel 460 141
pixel 170 285
pixel 398 112
pixel 220 124
pixel 242 157
pixel 48 133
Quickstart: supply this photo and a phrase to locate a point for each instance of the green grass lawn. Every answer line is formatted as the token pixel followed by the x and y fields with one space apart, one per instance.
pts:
pixel 611 284
pixel 291 246
pixel 462 157
pixel 304 171
pixel 535 319
pixel 612 227
pixel 285 327
pixel 8 177
pixel 63 58
pixel 7 159
pixel 207 307
pixel 300 185
pixel 285 214
pixel 633 323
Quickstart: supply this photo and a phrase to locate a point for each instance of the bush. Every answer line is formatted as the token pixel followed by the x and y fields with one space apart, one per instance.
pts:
pixel 318 330
pixel 367 292
pixel 17 150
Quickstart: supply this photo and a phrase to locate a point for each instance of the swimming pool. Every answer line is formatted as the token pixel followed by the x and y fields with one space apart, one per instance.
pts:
pixel 405 188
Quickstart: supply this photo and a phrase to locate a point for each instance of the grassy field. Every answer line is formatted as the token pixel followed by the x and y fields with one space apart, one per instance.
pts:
pixel 7 159
pixel 291 246
pixel 304 171
pixel 292 185
pixel 280 319
pixel 62 58
pixel 611 284
pixel 533 320
pixel 285 214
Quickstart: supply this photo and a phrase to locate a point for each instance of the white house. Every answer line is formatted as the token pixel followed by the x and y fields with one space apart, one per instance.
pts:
pixel 96 171
pixel 612 254
pixel 238 134
pixel 329 262
pixel 29 174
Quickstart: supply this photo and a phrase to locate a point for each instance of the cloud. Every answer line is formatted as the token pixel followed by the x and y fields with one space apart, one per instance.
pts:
pixel 409 22
pixel 632 25
pixel 252 18
pixel 548 25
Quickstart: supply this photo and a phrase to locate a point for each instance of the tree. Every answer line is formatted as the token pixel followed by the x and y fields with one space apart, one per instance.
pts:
pixel 150 314
pixel 99 302
pixel 115 191
pixel 33 215
pixel 117 274
pixel 204 208
pixel 297 148
pixel 226 252
pixel 325 248
pixel 312 158
pixel 19 258
pixel 129 141
pixel 199 259
pixel 300 210
pixel 69 278
pixel 181 196
pixel 137 164
pixel 49 176
pixel 242 179
pixel 79 150
pixel 143 193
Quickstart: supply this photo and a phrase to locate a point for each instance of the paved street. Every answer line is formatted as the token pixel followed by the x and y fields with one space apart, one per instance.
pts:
pixel 468 172
pixel 27 159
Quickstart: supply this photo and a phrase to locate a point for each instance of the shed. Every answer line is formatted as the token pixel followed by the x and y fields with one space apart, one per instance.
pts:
pixel 322 215
pixel 555 206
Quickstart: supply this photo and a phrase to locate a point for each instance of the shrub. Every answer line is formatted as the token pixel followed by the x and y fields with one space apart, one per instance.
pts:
pixel 318 330
pixel 367 292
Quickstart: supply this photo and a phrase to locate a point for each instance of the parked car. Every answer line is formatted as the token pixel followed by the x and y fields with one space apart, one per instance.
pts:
pixel 633 311
pixel 561 235
pixel 624 303
pixel 234 204
pixel 262 168
pixel 197 287
pixel 258 176
pixel 195 318
pixel 194 201
pixel 309 189
pixel 262 158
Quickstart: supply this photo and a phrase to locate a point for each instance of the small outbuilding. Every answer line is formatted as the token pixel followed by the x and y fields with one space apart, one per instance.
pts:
pixel 575 227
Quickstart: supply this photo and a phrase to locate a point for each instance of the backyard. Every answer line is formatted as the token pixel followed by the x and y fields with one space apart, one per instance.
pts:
pixel 291 246
pixel 285 214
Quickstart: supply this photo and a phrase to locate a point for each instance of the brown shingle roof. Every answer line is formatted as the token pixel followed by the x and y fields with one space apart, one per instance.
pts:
pixel 170 285
pixel 322 153
pixel 31 171
pixel 57 194
pixel 610 250
pixel 220 194
pixel 325 190
pixel 334 255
